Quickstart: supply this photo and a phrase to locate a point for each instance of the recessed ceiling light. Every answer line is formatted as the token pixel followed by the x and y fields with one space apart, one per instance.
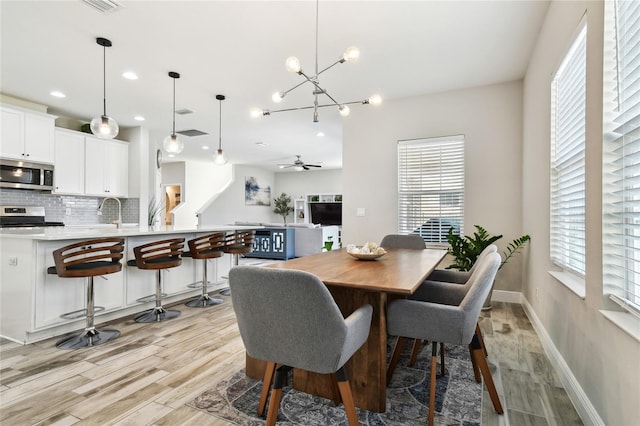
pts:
pixel 205 147
pixel 129 75
pixel 320 134
pixel 138 118
pixel 58 94
pixel 171 155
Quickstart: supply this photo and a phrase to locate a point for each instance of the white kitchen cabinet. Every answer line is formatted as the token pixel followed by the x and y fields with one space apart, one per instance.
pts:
pixel 106 167
pixel 69 172
pixel 27 136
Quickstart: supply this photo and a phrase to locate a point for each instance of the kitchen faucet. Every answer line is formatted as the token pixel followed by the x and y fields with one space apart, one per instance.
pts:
pixel 119 221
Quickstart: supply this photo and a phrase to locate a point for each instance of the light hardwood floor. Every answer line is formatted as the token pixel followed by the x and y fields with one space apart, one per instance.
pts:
pixel 147 375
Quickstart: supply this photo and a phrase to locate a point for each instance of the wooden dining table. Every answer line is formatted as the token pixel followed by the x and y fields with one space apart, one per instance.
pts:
pixel 353 283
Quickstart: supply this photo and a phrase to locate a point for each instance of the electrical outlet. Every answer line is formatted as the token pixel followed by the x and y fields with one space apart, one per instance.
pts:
pixel 360 211
pixel 13 261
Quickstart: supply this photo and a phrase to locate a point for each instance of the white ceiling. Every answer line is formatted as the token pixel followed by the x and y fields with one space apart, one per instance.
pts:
pixel 238 48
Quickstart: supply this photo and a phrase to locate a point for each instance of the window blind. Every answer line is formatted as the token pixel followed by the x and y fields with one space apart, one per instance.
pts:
pixel 567 215
pixel 621 155
pixel 431 187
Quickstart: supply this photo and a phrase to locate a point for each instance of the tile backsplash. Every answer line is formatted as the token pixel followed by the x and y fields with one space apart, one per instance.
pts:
pixel 70 209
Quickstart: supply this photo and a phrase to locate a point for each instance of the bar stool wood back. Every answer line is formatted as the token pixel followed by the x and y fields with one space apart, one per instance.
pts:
pixel 237 243
pixel 88 259
pixel 158 255
pixel 205 247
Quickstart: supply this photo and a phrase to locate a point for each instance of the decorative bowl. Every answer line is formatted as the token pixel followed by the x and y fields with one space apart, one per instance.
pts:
pixel 366 256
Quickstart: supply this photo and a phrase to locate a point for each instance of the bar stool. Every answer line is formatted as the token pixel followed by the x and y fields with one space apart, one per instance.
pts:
pixel 87 259
pixel 158 255
pixel 205 247
pixel 237 243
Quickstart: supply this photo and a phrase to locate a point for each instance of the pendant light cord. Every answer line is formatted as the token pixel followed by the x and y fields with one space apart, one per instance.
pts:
pixel 174 107
pixel 104 79
pixel 220 127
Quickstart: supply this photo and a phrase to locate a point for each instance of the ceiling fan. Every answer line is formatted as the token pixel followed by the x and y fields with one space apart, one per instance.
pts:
pixel 298 164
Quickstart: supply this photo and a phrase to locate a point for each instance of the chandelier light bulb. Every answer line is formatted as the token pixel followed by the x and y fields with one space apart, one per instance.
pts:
pixel 375 99
pixel 292 64
pixel 256 112
pixel 104 127
pixel 344 110
pixel 277 97
pixel 351 54
pixel 219 158
pixel 173 145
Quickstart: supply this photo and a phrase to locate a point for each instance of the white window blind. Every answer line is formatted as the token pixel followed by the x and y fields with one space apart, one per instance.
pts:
pixel 431 187
pixel 621 168
pixel 567 216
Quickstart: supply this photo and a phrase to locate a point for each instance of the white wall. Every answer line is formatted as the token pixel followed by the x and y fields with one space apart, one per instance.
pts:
pixel 229 206
pixel 490 117
pixel 603 360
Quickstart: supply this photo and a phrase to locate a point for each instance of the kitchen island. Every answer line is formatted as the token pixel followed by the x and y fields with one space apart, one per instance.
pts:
pixel 31 301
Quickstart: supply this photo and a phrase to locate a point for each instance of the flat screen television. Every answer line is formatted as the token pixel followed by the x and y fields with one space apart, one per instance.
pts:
pixel 326 213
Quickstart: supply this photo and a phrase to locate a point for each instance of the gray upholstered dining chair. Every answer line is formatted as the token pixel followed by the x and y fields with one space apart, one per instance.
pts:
pixel 403 241
pixel 460 277
pixel 454 324
pixel 289 318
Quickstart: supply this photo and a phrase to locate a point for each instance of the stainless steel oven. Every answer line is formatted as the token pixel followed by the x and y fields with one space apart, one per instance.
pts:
pixel 24 175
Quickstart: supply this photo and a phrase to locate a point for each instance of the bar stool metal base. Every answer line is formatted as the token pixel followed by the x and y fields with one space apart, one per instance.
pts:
pixel 204 301
pixel 88 338
pixel 225 292
pixel 157 314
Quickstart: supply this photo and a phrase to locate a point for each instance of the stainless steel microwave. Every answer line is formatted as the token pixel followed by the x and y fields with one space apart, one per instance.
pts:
pixel 24 175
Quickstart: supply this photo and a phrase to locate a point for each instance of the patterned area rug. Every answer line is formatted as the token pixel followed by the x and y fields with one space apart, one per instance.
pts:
pixel 458 398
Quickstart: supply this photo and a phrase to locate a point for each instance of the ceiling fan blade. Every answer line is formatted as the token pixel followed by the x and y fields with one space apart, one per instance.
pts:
pixel 285 166
pixel 305 167
pixel 313 165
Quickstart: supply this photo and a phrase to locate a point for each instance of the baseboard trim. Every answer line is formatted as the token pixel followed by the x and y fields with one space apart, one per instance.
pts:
pixel 581 402
pixel 507 296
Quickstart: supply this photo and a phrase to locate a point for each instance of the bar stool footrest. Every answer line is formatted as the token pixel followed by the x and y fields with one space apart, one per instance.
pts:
pixel 80 313
pixel 87 338
pixel 150 298
pixel 157 314
pixel 204 301
pixel 197 284
pixel 225 291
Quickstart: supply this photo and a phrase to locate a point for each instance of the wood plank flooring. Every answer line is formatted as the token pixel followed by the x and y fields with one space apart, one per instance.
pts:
pixel 148 374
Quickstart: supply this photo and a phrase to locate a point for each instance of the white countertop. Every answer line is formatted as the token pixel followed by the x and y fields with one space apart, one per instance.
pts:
pixel 106 230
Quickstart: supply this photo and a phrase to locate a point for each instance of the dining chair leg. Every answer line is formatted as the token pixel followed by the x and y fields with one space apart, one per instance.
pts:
pixel 415 351
pixel 474 364
pixel 481 361
pixel 442 359
pixel 347 397
pixel 432 384
pixel 481 339
pixel 276 394
pixel 266 386
pixel 335 390
pixel 395 357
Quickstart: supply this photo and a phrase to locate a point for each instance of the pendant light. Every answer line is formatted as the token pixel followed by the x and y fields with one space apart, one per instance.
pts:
pixel 171 144
pixel 104 126
pixel 219 158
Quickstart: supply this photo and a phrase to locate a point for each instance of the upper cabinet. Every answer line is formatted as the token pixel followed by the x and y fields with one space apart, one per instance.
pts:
pixel 69 163
pixel 106 167
pixel 25 135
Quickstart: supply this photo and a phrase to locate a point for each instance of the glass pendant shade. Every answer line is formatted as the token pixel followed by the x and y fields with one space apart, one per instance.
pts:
pixel 172 145
pixel 219 158
pixel 104 127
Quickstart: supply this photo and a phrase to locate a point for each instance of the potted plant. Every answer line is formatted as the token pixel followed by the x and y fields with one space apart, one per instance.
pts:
pixel 283 206
pixel 465 250
pixel 328 245
pixel 155 212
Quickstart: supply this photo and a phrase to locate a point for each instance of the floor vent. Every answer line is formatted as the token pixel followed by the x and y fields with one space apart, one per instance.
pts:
pixel 192 132
pixel 104 6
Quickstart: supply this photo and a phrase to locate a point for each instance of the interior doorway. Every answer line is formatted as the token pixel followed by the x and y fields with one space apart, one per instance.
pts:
pixel 172 198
